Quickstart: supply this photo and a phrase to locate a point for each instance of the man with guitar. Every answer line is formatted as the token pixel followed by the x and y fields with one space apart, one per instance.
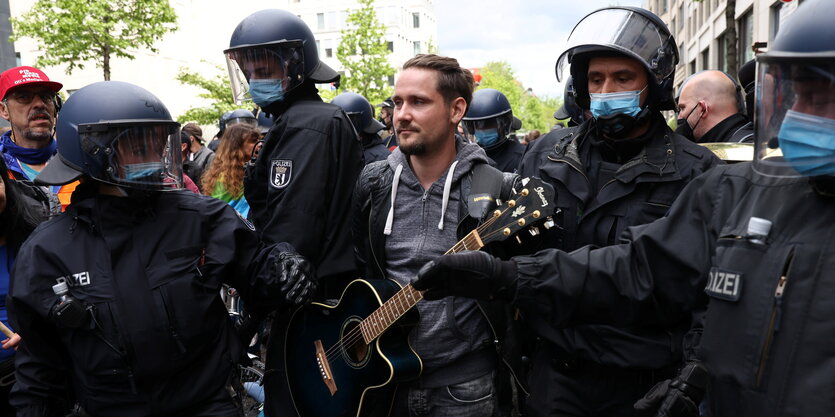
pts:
pixel 408 209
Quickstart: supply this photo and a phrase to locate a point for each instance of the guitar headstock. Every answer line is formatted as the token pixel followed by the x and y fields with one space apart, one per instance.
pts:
pixel 533 204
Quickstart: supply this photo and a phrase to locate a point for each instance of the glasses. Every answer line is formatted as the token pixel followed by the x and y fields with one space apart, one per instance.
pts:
pixel 26 96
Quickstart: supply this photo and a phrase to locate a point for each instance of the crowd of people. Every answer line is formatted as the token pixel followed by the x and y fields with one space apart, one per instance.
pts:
pixel 668 283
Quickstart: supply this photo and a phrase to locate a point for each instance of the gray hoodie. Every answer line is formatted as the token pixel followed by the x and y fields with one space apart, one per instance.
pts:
pixel 422 226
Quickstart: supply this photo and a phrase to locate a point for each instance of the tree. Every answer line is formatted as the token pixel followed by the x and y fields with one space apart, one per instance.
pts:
pixel 216 89
pixel 71 32
pixel 535 113
pixel 363 52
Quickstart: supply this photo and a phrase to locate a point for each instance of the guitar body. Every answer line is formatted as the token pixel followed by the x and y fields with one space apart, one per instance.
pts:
pixel 365 376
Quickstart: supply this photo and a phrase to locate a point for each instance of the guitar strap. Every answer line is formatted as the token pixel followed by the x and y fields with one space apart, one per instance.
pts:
pixel 485 188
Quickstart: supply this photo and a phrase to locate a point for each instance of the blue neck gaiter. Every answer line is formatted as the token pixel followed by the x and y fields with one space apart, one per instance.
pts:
pixel 26 155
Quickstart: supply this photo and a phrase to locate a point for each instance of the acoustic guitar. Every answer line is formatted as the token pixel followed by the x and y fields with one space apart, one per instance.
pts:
pixel 346 359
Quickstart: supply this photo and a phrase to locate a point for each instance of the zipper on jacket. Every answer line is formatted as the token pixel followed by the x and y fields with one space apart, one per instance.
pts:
pixel 119 351
pixel 498 350
pixel 171 328
pixel 776 316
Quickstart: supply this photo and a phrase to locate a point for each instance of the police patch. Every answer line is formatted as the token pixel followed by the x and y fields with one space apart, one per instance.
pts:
pixel 281 172
pixel 724 285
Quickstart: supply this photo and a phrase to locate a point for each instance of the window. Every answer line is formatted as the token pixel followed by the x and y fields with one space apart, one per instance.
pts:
pixel 320 20
pixel 692 67
pixel 416 47
pixel 706 59
pixel 746 37
pixel 391 80
pixel 664 5
pixel 331 20
pixel 17 59
pixel 775 19
pixel 415 20
pixel 390 46
pixel 328 52
pixel 721 53
pixel 318 45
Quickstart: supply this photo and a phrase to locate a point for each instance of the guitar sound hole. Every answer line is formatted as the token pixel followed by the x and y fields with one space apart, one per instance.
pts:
pixel 355 349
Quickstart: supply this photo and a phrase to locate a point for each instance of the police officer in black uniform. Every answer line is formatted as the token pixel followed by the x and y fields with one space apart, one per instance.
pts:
pixel 622 167
pixel 756 239
pixel 119 297
pixel 299 187
pixel 359 111
pixel 489 120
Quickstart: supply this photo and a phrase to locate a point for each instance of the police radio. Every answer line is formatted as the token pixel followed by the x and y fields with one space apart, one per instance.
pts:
pixel 70 312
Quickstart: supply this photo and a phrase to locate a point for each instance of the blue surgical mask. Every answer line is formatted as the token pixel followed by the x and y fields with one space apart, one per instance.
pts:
pixel 808 143
pixel 487 137
pixel 266 92
pixel 134 172
pixel 607 104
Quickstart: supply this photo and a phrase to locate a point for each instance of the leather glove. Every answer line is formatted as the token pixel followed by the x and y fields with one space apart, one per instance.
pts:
pixel 472 274
pixel 296 277
pixel 679 397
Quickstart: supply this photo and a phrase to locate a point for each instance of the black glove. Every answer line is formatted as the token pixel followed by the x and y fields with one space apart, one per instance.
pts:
pixel 471 274
pixel 295 275
pixel 679 397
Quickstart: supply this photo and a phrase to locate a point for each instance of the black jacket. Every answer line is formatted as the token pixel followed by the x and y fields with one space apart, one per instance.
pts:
pixel 158 340
pixel 371 205
pixel 766 348
pixel 373 149
pixel 299 189
pixel 734 129
pixel 639 191
pixel 507 155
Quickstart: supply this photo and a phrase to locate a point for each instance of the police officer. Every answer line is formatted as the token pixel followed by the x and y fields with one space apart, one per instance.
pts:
pixel 299 187
pixel 755 239
pixel 622 167
pixel 120 294
pixel 489 120
pixel 386 114
pixel 232 118
pixel 359 111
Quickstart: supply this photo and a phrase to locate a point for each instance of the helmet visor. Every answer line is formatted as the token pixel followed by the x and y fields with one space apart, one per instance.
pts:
pixel 627 32
pixel 247 121
pixel 144 155
pixel 283 61
pixel 795 117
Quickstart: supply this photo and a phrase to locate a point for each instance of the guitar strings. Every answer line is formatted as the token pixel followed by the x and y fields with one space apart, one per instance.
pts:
pixel 353 336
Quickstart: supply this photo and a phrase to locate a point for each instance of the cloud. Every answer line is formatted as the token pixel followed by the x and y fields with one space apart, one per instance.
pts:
pixel 529 34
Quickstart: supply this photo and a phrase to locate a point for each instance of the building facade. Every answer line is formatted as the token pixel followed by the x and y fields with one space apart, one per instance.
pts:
pixel 204 28
pixel 699 27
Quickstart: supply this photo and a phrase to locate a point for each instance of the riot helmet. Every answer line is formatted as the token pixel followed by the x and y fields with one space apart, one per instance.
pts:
pixel 221 123
pixel 271 53
pixel 265 122
pixel 629 32
pixel 489 118
pixel 795 96
pixel 570 109
pixel 117 133
pixel 241 116
pixel 359 111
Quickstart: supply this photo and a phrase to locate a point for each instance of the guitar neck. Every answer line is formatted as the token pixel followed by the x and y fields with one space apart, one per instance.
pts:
pixel 381 319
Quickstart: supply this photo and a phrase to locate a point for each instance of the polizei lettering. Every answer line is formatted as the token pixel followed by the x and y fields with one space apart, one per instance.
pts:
pixel 76 280
pixel 724 285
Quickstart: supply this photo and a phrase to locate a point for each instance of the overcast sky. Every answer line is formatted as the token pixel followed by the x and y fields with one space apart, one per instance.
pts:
pixel 529 34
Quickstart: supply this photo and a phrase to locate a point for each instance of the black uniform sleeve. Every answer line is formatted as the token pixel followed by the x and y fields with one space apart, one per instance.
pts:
pixel 659 274
pixel 40 363
pixel 360 211
pixel 312 212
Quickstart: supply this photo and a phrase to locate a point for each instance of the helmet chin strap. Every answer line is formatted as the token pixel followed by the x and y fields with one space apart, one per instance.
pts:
pixel 618 126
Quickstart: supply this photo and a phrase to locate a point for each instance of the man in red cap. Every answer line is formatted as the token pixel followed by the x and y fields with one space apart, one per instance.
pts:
pixel 29 101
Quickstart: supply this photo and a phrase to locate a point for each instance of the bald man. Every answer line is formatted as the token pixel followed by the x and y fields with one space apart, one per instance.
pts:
pixel 710 111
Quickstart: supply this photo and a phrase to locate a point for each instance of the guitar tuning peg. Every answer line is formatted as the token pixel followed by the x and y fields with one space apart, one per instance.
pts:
pixel 533 231
pixel 549 223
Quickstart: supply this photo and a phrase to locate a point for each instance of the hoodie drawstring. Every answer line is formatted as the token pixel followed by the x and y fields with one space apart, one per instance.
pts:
pixel 395 182
pixel 447 186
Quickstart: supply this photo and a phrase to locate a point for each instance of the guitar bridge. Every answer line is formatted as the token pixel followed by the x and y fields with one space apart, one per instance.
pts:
pixel 324 367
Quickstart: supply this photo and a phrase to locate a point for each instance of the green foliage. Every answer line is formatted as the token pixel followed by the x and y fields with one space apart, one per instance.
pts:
pixel 216 90
pixel 535 113
pixel 363 53
pixel 71 32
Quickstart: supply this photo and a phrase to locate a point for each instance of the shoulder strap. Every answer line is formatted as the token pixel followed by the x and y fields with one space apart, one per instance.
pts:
pixel 485 189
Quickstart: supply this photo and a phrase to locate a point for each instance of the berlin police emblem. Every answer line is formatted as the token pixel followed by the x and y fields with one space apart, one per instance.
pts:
pixel 281 170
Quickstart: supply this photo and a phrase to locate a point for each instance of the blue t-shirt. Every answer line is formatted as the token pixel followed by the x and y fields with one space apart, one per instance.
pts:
pixel 5 268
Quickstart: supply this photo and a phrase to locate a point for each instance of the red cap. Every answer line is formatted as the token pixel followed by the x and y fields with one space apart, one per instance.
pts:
pixel 18 76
